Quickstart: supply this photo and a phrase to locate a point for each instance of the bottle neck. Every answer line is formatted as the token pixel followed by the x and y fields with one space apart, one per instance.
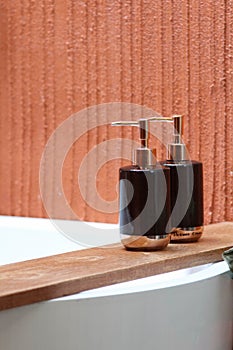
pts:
pixel 145 158
pixel 177 152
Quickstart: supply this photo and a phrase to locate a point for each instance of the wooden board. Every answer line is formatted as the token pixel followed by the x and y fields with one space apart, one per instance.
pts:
pixel 59 275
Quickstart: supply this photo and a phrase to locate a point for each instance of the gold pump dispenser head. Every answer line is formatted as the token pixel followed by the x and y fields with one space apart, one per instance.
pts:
pixel 143 156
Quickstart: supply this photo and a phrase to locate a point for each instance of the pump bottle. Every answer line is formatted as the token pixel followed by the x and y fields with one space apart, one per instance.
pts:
pixel 186 189
pixel 144 196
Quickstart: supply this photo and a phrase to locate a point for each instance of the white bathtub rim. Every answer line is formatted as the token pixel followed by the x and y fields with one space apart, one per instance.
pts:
pixel 72 229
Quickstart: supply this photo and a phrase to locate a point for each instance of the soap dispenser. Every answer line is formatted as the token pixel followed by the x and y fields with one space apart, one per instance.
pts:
pixel 144 196
pixel 186 186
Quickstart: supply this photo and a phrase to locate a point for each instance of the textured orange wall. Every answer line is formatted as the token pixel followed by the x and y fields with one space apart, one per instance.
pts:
pixel 58 57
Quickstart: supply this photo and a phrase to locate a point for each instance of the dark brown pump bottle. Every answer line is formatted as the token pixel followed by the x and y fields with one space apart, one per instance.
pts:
pixel 186 189
pixel 144 197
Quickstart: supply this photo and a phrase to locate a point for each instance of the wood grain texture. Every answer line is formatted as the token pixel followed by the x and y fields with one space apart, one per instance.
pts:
pixel 58 57
pixel 59 275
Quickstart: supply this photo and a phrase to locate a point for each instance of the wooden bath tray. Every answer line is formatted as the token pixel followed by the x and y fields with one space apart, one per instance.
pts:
pixel 59 275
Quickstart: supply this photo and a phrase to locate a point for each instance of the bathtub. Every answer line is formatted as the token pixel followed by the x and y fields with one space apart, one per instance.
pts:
pixel 184 310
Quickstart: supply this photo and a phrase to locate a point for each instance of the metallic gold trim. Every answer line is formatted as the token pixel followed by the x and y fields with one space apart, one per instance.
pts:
pixel 186 235
pixel 145 243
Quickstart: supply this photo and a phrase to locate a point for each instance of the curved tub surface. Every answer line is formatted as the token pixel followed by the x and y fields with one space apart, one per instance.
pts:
pixel 184 310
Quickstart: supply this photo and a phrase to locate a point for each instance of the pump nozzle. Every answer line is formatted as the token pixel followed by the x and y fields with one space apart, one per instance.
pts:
pixel 143 156
pixel 177 150
pixel 143 129
pixel 143 124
